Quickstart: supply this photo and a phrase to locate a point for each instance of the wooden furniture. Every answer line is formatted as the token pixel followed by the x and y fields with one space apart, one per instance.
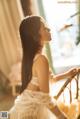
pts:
pixel 68 84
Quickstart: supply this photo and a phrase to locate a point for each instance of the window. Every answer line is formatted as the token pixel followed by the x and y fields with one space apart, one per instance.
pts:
pixel 62 17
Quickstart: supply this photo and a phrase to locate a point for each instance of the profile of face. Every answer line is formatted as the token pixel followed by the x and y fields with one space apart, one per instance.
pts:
pixel 45 35
pixel 34 33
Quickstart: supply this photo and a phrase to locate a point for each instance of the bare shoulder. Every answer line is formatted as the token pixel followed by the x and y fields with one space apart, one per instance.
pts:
pixel 42 60
pixel 42 71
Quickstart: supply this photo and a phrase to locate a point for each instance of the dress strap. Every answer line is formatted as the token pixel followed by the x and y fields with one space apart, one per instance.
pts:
pixel 36 57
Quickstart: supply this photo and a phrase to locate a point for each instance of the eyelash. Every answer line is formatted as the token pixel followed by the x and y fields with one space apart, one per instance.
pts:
pixel 47 29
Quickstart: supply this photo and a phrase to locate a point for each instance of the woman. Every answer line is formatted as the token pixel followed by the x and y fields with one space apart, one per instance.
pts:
pixel 34 101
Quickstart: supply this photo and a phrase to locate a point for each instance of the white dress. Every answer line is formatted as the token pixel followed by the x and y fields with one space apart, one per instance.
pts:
pixel 32 105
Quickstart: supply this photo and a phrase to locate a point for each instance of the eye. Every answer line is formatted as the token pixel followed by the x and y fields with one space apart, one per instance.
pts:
pixel 46 28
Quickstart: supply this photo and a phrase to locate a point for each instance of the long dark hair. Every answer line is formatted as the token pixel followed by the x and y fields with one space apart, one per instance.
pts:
pixel 30 39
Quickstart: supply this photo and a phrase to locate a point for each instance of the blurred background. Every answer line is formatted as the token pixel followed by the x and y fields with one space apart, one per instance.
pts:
pixel 63 52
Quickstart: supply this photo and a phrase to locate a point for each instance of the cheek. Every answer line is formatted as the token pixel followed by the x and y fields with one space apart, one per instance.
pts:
pixel 43 35
pixel 47 35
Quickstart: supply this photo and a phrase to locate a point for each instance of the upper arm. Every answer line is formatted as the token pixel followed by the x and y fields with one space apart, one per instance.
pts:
pixel 43 74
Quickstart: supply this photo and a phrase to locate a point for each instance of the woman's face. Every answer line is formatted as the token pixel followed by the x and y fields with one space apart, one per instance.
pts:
pixel 44 33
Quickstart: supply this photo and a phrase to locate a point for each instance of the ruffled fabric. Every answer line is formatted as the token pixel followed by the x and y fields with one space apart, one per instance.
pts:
pixel 32 105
